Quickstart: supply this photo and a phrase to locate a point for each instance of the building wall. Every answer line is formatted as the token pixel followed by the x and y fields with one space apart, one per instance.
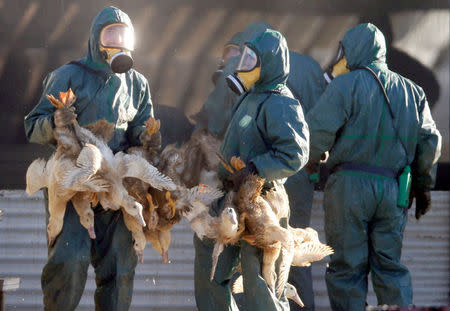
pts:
pixel 166 287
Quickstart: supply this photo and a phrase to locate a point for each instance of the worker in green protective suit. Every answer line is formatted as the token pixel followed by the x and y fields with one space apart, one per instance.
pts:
pixel 275 150
pixel 377 125
pixel 215 114
pixel 307 83
pixel 106 88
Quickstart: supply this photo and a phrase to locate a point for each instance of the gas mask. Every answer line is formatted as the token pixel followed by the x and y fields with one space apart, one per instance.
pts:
pixel 247 72
pixel 216 75
pixel 229 51
pixel 116 44
pixel 338 67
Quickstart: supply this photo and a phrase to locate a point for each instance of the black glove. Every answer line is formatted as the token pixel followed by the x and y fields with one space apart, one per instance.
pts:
pixel 312 168
pixel 152 142
pixel 423 202
pixel 237 178
pixel 64 116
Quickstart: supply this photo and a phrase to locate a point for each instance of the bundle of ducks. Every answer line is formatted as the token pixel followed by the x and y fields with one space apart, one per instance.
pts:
pixel 84 169
pixel 254 216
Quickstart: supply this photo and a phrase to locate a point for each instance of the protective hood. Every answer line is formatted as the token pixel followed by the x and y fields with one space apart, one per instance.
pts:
pixel 249 32
pixel 107 16
pixel 364 45
pixel 272 50
pixel 254 28
pixel 237 39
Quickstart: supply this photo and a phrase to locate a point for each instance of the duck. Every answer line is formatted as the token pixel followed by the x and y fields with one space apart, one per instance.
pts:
pixel 139 239
pixel 224 229
pixel 299 247
pixel 167 209
pixel 159 209
pixel 163 205
pixel 163 208
pixel 64 179
pixel 69 173
pixel 84 162
pixel 308 247
pixel 115 167
pixel 194 162
pixel 82 203
pixel 200 161
pixel 262 214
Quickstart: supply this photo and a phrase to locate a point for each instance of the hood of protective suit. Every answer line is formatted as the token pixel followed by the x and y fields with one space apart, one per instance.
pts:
pixel 236 39
pixel 249 32
pixel 107 16
pixel 254 28
pixel 272 50
pixel 364 45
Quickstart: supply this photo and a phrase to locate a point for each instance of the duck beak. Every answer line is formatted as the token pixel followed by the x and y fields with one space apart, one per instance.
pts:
pixel 140 218
pixel 51 242
pixel 298 301
pixel 140 256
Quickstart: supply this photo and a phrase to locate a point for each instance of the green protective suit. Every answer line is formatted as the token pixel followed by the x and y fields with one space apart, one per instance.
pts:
pixel 278 150
pixel 123 99
pixel 306 82
pixel 362 221
pixel 215 114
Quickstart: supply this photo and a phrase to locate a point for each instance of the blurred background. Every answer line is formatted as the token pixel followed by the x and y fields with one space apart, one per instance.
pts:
pixel 178 46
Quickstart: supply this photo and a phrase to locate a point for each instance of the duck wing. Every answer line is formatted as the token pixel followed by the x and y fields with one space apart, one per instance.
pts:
pixel 201 193
pixel 308 252
pixel 131 165
pixel 83 175
pixel 37 176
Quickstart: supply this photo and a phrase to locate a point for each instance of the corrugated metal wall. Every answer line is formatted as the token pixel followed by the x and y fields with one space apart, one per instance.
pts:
pixel 170 286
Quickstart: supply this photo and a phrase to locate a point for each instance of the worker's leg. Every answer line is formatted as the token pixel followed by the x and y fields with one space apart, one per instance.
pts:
pixel 301 192
pixel 349 202
pixel 65 273
pixel 257 296
pixel 114 260
pixel 391 280
pixel 214 295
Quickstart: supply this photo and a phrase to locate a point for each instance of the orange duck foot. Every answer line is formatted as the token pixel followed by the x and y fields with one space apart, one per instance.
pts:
pixel 250 239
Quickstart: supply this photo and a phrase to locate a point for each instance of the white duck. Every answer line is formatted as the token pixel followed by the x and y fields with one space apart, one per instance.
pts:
pixel 224 229
pixel 65 179
pixel 307 247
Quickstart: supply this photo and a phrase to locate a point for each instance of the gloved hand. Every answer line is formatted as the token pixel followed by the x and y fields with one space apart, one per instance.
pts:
pixel 151 141
pixel 311 167
pixel 423 202
pixel 237 178
pixel 64 116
